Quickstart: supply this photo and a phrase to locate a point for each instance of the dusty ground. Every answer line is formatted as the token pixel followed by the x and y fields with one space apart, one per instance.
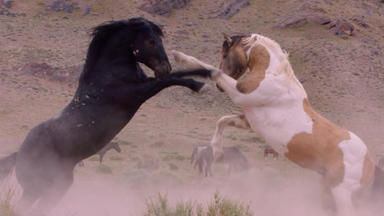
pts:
pixel 344 78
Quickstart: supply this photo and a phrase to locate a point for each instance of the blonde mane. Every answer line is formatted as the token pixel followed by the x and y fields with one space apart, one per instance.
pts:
pixel 274 47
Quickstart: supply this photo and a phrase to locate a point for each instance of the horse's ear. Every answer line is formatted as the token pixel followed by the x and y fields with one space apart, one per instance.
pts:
pixel 227 38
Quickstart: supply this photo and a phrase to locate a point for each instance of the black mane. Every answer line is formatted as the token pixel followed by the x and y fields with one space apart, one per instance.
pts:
pixel 102 34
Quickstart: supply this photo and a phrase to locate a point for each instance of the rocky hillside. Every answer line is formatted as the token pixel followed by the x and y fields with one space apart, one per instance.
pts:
pixel 336 46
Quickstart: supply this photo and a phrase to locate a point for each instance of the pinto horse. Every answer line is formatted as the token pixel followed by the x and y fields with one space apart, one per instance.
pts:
pixel 275 106
pixel 112 87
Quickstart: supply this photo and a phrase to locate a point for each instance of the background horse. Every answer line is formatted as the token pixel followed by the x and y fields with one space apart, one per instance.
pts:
pixel 275 106
pixel 269 150
pixel 112 87
pixel 109 146
pixel 203 158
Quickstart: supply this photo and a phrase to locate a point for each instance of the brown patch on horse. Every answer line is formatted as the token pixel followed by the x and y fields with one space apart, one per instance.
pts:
pixel 368 170
pixel 319 151
pixel 258 63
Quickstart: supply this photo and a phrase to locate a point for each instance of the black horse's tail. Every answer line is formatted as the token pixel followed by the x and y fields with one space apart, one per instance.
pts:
pixel 378 184
pixel 7 164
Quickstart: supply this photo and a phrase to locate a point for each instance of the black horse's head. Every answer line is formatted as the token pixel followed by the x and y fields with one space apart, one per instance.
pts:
pixel 133 40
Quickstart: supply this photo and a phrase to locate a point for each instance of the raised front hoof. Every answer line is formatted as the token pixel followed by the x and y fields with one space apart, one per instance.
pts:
pixel 197 86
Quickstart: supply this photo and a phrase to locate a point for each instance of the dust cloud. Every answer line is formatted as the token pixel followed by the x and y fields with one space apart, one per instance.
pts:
pixel 266 191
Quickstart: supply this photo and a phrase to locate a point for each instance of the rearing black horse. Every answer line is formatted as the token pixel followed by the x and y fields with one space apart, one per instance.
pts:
pixel 111 88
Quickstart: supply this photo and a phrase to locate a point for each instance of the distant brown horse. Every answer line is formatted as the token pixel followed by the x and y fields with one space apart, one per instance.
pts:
pixel 203 158
pixel 269 150
pixel 276 106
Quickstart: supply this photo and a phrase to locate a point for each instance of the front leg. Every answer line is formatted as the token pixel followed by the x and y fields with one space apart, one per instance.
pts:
pixel 238 121
pixel 154 86
pixel 194 72
pixel 227 83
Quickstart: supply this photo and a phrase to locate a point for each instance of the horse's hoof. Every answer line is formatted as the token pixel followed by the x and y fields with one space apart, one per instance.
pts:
pixel 197 86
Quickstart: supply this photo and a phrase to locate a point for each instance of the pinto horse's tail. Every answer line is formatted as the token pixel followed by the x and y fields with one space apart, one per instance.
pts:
pixel 7 164
pixel 378 184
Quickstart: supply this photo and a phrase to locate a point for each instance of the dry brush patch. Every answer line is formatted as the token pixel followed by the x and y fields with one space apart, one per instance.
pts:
pixel 219 206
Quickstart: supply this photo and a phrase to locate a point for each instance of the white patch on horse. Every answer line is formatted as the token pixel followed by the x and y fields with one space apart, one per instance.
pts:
pixel 354 152
pixel 277 125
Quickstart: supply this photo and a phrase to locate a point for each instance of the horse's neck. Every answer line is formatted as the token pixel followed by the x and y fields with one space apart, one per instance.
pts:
pixel 116 71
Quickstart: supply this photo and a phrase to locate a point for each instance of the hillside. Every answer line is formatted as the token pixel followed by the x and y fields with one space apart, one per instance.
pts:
pixel 343 76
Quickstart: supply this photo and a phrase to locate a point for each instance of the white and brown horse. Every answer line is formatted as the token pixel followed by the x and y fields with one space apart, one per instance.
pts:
pixel 276 107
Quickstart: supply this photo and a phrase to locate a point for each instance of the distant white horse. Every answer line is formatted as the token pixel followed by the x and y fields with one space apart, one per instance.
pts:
pixel 275 106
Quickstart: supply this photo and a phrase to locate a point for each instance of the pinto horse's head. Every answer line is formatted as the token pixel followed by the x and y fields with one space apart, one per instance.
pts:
pixel 234 57
pixel 257 53
pixel 130 41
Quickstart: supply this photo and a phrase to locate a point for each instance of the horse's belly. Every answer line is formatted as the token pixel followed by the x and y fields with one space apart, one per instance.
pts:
pixel 278 126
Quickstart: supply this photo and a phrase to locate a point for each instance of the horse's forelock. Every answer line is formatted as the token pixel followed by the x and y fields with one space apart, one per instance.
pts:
pixel 142 24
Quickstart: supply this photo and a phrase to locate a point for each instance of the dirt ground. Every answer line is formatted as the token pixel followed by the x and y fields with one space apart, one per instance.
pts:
pixel 344 78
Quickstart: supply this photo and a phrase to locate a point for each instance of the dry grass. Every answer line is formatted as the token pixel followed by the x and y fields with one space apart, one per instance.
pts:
pixel 6 207
pixel 219 206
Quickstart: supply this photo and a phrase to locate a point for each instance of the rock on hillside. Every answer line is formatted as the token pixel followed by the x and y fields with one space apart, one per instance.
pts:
pixel 6 3
pixel 162 7
pixel 232 7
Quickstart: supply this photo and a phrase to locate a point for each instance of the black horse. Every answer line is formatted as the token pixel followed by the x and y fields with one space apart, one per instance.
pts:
pixel 111 88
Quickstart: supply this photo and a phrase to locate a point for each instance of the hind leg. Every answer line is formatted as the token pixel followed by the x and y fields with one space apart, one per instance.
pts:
pixel 200 167
pixel 52 197
pixel 343 200
pixel 28 198
pixel 328 202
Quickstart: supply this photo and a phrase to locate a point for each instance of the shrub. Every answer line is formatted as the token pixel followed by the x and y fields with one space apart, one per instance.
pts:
pixel 226 207
pixel 220 206
pixel 104 169
pixel 6 208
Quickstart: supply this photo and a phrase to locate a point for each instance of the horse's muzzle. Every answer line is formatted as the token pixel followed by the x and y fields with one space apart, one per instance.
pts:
pixel 162 69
